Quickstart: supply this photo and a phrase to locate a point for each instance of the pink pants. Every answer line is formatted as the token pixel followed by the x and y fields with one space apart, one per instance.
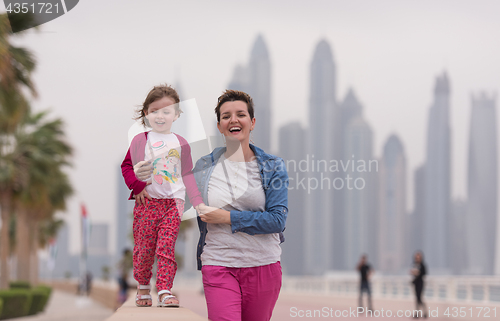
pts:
pixel 156 227
pixel 241 294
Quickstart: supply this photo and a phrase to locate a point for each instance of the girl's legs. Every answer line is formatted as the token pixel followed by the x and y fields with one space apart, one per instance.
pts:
pixel 145 234
pixel 241 294
pixel 168 231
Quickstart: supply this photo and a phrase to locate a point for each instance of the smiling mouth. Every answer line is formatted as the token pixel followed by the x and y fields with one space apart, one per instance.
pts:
pixel 235 129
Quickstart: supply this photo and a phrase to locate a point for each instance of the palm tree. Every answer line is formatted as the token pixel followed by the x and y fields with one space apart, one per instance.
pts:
pixel 42 224
pixel 43 152
pixel 16 65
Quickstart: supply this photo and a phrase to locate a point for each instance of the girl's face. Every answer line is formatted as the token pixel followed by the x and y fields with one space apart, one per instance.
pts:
pixel 235 122
pixel 161 114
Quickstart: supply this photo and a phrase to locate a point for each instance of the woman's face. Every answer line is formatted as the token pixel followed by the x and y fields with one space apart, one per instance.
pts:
pixel 235 122
pixel 418 257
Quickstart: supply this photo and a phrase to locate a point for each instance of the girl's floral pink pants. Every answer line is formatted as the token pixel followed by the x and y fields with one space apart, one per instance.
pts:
pixel 156 227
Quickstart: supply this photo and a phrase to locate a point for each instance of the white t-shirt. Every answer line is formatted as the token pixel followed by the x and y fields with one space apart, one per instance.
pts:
pixel 222 246
pixel 164 150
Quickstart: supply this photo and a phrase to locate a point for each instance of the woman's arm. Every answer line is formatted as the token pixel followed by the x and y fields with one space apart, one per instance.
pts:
pixel 423 270
pixel 272 220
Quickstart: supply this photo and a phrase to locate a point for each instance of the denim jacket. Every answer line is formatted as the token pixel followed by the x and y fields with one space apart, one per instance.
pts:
pixel 275 183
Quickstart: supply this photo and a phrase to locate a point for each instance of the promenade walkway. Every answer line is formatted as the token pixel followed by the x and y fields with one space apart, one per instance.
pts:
pixel 64 306
pixel 129 312
pixel 290 306
pixel 296 306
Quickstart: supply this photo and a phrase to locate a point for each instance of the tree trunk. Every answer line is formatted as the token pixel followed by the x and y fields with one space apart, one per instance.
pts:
pixel 22 245
pixel 4 241
pixel 34 251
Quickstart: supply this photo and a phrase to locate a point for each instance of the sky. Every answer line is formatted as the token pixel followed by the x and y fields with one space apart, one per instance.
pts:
pixel 97 63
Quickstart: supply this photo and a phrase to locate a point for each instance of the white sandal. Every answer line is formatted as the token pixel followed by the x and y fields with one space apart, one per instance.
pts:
pixel 169 295
pixel 143 296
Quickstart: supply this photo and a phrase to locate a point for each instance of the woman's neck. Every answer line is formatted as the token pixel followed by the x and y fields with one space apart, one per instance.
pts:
pixel 238 152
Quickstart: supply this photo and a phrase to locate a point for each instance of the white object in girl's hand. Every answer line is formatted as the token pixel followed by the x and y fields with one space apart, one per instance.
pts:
pixel 143 171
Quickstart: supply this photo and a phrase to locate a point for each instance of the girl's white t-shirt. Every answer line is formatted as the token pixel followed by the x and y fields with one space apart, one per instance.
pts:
pixel 164 151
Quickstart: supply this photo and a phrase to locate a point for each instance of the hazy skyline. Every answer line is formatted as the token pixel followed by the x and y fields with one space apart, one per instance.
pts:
pixel 98 61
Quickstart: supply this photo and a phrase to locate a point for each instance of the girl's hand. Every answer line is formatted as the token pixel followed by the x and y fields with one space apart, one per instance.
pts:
pixel 214 215
pixel 143 171
pixel 141 197
pixel 197 207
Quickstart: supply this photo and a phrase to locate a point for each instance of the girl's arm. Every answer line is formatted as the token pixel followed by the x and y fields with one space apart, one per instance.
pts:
pixel 187 175
pixel 128 174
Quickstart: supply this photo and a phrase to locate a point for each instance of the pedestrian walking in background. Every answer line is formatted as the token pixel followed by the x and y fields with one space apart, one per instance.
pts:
pixel 365 271
pixel 124 267
pixel 419 271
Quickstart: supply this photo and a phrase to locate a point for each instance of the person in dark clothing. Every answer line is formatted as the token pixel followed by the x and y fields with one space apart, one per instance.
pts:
pixel 419 271
pixel 366 271
pixel 124 266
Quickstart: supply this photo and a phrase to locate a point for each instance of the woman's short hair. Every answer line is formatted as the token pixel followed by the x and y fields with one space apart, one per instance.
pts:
pixel 234 95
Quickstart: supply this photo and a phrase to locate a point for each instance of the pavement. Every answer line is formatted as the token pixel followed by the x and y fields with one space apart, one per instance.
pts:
pixel 63 306
pixel 129 312
pixel 294 306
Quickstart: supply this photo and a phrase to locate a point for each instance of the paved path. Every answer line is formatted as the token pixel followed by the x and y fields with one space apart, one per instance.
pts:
pixel 298 306
pixel 64 306
pixel 129 312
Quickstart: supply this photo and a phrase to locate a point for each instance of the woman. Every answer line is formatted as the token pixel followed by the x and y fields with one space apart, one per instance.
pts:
pixel 241 226
pixel 419 271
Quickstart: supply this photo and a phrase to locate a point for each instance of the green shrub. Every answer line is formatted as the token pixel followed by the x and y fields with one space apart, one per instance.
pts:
pixel 46 295
pixel 37 301
pixel 1 305
pixel 16 303
pixel 20 285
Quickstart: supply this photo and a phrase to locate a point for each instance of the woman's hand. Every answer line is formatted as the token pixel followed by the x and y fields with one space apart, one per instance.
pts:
pixel 214 215
pixel 143 171
pixel 141 197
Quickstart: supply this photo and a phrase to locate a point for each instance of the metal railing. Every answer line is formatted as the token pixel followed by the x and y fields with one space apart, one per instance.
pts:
pixel 469 289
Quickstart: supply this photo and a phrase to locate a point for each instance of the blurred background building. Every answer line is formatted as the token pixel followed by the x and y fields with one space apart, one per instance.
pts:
pixel 482 208
pixel 343 200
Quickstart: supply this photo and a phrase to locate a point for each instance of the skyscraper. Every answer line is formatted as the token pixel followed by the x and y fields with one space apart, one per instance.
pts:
pixel 255 79
pixel 392 216
pixel 350 108
pixel 416 223
pixel 482 206
pixel 323 117
pixel 438 178
pixel 359 191
pixel 458 238
pixel 291 148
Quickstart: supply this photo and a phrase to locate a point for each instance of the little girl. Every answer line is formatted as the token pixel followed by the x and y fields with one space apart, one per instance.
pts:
pixel 159 202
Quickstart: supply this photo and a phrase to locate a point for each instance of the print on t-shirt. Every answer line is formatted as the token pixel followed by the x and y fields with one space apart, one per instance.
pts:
pixel 170 169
